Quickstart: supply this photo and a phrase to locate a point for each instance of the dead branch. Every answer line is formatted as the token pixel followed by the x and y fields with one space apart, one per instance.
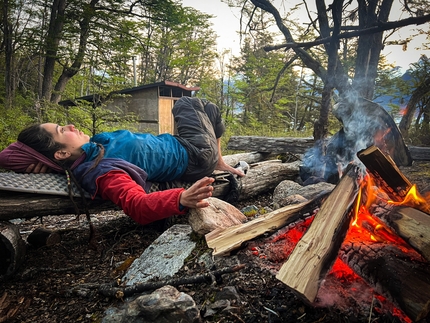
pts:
pixel 120 292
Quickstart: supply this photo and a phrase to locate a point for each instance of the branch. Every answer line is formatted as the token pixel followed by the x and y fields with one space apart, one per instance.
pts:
pixel 120 292
pixel 382 26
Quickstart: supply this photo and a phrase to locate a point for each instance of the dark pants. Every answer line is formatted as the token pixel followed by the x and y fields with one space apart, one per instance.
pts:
pixel 199 124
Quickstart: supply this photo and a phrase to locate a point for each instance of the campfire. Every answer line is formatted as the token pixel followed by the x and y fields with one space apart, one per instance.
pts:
pixel 371 234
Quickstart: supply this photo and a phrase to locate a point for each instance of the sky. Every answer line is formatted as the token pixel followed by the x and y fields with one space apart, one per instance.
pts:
pixel 226 23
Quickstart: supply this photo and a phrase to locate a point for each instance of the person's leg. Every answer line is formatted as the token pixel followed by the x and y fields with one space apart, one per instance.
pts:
pixel 197 130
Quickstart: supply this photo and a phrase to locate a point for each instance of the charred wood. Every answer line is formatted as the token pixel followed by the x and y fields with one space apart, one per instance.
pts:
pixel 395 274
pixel 385 173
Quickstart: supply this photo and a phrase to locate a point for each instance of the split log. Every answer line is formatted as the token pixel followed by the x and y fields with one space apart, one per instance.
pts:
pixel 385 172
pixel 261 177
pixel 224 241
pixel 393 273
pixel 278 145
pixel 43 237
pixel 316 252
pixel 411 225
pixel 388 177
pixel 12 249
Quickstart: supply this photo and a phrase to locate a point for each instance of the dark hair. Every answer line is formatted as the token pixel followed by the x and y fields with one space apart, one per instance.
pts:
pixel 43 142
pixel 40 140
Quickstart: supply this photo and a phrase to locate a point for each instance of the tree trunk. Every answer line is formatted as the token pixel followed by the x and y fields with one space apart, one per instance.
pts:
pixel 417 94
pixel 55 29
pixel 69 72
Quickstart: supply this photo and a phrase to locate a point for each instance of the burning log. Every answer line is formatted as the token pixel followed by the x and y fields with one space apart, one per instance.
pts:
pixel 223 241
pixel 316 252
pixel 411 225
pixel 401 277
pixel 385 173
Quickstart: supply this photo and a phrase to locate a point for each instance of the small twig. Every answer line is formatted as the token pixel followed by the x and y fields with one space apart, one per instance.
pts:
pixel 371 308
pixel 120 292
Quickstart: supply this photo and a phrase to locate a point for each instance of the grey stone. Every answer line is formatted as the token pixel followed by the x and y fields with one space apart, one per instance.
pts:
pixel 163 258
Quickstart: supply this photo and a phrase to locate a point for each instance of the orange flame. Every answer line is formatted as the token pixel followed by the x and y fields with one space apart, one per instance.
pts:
pixel 414 199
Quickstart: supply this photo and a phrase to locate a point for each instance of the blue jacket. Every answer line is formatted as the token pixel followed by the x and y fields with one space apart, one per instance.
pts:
pixel 162 157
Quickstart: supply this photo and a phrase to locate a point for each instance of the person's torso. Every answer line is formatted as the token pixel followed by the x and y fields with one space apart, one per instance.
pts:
pixel 162 156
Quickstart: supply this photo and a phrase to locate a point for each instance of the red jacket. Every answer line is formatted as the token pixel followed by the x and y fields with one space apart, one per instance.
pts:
pixel 142 207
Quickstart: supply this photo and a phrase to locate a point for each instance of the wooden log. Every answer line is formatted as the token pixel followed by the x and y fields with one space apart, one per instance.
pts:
pixel 249 157
pixel 394 273
pixel 316 251
pixel 385 173
pixel 224 241
pixel 296 145
pixel 274 145
pixel 12 249
pixel 43 237
pixel 411 225
pixel 261 177
pixel 265 176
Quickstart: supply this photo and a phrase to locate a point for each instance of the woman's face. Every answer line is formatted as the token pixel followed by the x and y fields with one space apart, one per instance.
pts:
pixel 70 137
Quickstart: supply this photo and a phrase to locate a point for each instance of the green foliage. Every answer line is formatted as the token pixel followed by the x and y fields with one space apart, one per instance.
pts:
pixel 12 121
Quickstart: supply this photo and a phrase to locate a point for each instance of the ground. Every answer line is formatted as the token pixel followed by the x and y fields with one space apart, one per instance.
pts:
pixel 60 283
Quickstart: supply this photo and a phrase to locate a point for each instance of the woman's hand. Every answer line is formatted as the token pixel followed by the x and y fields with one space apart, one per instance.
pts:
pixel 38 168
pixel 194 197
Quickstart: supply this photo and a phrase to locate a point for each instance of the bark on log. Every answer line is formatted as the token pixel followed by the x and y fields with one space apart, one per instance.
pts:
pixel 43 237
pixel 261 177
pixel 265 176
pixel 385 173
pixel 411 225
pixel 316 251
pixel 270 144
pixel 224 241
pixel 12 249
pixel 393 273
pixel 296 145
pixel 250 158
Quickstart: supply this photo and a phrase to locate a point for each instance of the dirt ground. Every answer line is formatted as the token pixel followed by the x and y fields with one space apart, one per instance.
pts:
pixel 60 283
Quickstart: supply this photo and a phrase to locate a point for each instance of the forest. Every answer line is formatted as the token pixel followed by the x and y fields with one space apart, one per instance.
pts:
pixel 281 84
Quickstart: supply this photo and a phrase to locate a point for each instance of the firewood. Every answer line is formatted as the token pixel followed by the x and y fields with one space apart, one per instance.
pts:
pixel 385 173
pixel 224 241
pixel 12 249
pixel 43 237
pixel 316 252
pixel 413 226
pixel 394 273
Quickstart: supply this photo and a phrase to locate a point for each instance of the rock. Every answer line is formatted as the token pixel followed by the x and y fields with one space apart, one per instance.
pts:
pixel 219 214
pixel 162 258
pixel 287 188
pixel 164 305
